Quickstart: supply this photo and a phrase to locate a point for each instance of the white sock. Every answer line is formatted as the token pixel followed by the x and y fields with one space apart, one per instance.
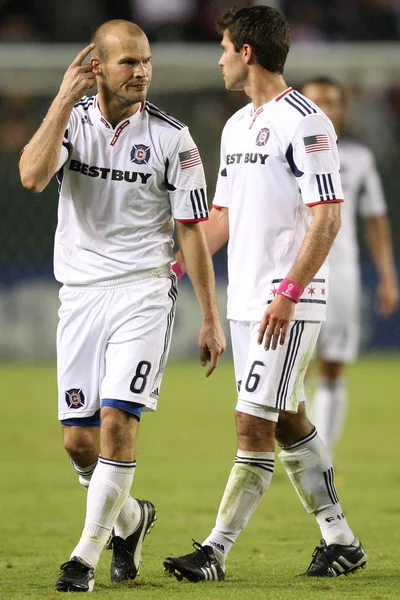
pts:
pixel 84 473
pixel 329 411
pixel 128 519
pixel 249 480
pixel 310 470
pixel 130 514
pixel 333 525
pixel 108 490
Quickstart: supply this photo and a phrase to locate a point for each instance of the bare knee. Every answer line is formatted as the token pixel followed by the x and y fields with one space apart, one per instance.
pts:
pixel 118 432
pixel 292 427
pixel 331 370
pixel 82 444
pixel 254 434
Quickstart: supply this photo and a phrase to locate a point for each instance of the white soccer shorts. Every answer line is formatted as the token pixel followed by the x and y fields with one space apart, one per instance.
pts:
pixel 340 334
pixel 269 381
pixel 113 340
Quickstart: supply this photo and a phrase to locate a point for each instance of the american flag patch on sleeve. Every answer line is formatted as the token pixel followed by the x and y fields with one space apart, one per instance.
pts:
pixel 189 158
pixel 316 143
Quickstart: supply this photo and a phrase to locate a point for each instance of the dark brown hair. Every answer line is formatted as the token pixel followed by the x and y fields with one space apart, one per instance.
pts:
pixel 262 27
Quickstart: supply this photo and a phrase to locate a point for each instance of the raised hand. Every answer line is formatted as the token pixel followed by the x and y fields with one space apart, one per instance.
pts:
pixel 78 78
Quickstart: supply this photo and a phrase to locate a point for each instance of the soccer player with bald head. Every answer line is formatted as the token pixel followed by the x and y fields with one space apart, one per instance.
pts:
pixel 127 172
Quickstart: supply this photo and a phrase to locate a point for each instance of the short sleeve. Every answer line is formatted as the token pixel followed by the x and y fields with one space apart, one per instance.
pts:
pixel 313 159
pixel 221 196
pixel 64 154
pixel 185 180
pixel 371 197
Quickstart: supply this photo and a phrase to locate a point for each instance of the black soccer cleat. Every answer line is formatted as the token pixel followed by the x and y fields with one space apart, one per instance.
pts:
pixel 201 565
pixel 127 554
pixel 76 577
pixel 336 559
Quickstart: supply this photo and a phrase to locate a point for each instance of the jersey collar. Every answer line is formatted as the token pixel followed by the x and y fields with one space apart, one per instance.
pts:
pixel 107 129
pixel 283 94
pixel 255 113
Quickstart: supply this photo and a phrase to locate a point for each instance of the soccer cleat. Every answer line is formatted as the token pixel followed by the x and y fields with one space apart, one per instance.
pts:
pixel 201 565
pixel 76 577
pixel 336 559
pixel 126 559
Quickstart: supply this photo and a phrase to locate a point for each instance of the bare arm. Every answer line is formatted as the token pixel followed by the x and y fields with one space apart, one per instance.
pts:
pixel 317 242
pixel 40 158
pixel 199 267
pixel 313 251
pixel 216 231
pixel 377 230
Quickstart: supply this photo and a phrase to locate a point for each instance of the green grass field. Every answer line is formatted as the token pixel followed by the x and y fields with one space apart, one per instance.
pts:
pixel 185 452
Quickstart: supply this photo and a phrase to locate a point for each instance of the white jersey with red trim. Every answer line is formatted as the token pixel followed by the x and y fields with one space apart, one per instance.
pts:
pixel 364 196
pixel 275 163
pixel 120 190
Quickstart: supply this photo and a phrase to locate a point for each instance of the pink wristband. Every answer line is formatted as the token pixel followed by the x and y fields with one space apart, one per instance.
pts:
pixel 290 289
pixel 177 270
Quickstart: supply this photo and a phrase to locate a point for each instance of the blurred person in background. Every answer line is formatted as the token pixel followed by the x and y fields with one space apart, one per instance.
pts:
pixel 373 21
pixel 352 20
pixel 165 21
pixel 338 342
pixel 18 27
pixel 126 171
pixel 277 201
pixel 306 21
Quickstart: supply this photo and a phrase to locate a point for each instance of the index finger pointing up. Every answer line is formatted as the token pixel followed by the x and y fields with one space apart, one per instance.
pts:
pixel 82 55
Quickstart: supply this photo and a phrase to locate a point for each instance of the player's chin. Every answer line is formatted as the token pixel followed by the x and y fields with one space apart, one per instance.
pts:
pixel 233 86
pixel 137 94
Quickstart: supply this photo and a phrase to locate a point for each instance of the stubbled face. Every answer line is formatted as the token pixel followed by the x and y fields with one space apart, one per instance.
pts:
pixel 329 99
pixel 234 68
pixel 126 71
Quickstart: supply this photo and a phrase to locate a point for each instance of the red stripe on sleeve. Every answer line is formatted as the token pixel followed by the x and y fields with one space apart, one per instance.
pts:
pixel 326 202
pixel 192 220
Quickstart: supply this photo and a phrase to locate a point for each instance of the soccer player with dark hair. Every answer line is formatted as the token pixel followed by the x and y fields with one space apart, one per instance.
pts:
pixel 339 338
pixel 127 171
pixel 277 199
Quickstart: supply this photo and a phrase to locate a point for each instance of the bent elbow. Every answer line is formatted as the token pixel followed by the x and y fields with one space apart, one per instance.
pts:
pixel 31 183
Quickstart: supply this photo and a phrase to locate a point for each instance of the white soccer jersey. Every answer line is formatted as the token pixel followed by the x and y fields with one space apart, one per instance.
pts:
pixel 339 338
pixel 363 193
pixel 275 162
pixel 120 190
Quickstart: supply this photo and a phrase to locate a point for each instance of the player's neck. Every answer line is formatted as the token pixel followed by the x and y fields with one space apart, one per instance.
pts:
pixel 264 86
pixel 115 112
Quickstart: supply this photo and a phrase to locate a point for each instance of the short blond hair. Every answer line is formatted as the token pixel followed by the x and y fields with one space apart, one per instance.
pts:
pixel 114 26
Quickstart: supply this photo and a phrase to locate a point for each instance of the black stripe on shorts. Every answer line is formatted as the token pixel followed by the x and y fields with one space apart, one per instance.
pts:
pixel 296 333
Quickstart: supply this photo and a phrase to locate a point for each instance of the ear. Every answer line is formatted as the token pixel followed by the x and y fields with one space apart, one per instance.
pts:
pixel 248 53
pixel 96 65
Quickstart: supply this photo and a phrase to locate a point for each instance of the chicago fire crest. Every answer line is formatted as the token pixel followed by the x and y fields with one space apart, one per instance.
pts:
pixel 74 398
pixel 140 154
